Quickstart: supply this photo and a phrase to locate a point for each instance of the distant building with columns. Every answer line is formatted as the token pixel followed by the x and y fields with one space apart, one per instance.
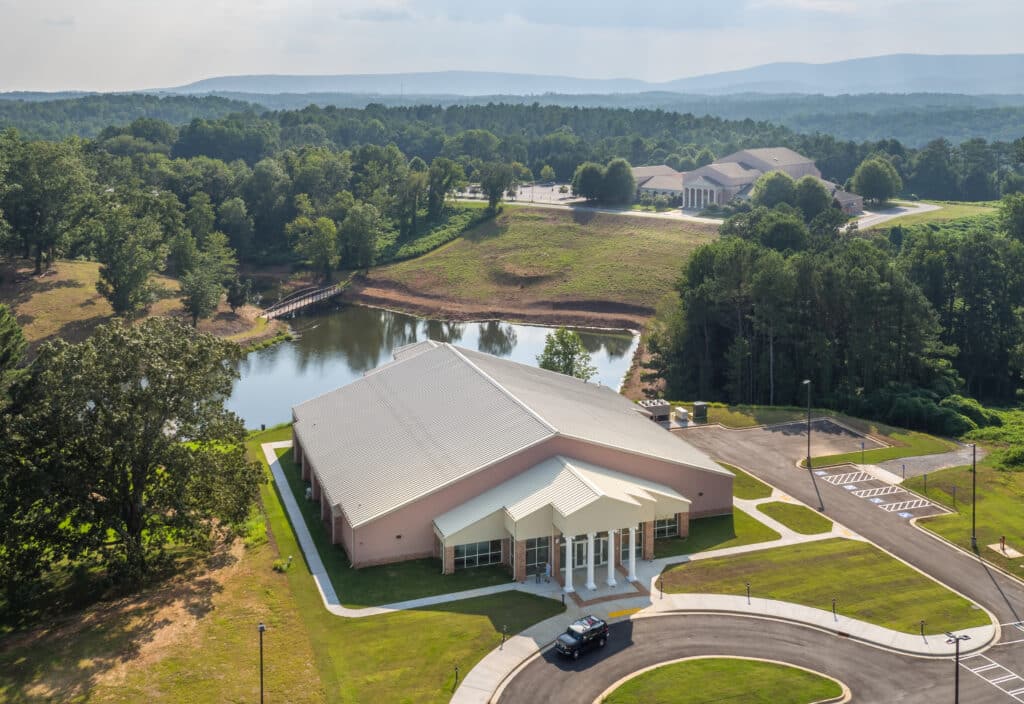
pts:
pixel 734 176
pixel 474 460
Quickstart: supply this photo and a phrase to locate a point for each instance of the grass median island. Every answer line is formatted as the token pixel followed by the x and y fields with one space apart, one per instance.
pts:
pixel 867 584
pixel 715 680
pixel 745 486
pixel 1000 510
pixel 715 533
pixel 405 656
pixel 796 517
pixel 382 584
pixel 906 443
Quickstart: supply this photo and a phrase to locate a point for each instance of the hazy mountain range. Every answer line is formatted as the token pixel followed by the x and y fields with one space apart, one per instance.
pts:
pixel 895 73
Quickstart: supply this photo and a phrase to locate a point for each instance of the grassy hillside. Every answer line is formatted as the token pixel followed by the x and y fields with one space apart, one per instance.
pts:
pixel 530 258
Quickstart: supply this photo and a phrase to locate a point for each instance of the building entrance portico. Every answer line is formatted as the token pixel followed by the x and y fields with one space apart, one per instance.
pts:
pixel 580 551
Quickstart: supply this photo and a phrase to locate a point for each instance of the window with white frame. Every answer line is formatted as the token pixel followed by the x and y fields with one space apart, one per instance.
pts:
pixel 487 552
pixel 666 527
pixel 624 545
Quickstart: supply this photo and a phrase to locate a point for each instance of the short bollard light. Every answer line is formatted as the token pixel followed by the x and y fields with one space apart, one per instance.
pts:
pixel 922 629
pixel 834 616
pixel 504 630
pixel 456 675
pixel 748 593
pixel 289 562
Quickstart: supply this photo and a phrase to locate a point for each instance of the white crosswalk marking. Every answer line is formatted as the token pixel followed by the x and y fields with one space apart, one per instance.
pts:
pixel 880 491
pixel 905 505
pixel 848 478
pixel 999 676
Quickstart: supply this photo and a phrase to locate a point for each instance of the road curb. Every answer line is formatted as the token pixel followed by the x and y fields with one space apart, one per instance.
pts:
pixel 844 696
pixel 835 632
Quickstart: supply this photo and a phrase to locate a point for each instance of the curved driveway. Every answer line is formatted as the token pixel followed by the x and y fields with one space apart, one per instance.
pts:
pixel 873 675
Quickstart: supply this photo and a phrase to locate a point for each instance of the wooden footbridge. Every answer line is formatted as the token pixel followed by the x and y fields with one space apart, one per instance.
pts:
pixel 300 299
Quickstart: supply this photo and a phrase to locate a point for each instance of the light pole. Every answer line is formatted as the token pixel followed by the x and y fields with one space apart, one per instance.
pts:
pixel 951 639
pixel 807 383
pixel 974 497
pixel 261 629
pixel 814 481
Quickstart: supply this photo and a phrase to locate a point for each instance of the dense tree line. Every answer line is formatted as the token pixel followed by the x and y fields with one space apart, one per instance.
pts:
pixel 885 326
pixel 88 115
pixel 558 137
pixel 128 202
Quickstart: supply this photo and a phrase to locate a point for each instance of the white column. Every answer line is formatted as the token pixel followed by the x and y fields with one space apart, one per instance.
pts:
pixel 611 558
pixel 568 564
pixel 632 554
pixel 590 561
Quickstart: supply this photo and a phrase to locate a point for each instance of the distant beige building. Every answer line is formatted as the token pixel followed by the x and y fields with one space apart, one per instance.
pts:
pixel 476 460
pixel 734 176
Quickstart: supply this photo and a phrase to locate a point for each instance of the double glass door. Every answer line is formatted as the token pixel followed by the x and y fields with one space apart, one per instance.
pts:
pixel 579 551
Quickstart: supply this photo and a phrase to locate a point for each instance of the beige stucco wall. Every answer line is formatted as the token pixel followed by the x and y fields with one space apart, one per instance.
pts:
pixel 377 542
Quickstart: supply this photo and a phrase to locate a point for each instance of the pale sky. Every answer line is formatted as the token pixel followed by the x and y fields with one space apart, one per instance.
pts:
pixel 124 45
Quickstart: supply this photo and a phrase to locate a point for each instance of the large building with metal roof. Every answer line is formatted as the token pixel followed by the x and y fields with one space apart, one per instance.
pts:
pixel 477 460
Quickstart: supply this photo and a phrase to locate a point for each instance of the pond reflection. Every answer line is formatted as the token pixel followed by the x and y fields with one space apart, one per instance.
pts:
pixel 336 346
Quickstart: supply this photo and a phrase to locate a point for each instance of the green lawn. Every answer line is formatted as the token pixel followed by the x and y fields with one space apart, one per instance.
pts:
pixel 384 584
pixel 532 254
pixel 714 533
pixel 867 584
pixel 716 680
pixel 796 517
pixel 907 443
pixel 406 656
pixel 745 486
pixel 950 210
pixel 1000 510
pixel 744 416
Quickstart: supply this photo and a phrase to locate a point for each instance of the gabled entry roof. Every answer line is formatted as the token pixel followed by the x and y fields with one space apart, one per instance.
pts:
pixel 565 487
pixel 440 413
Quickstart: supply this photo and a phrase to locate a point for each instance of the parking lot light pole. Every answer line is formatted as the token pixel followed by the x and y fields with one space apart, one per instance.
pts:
pixel 951 639
pixel 261 629
pixel 810 471
pixel 974 497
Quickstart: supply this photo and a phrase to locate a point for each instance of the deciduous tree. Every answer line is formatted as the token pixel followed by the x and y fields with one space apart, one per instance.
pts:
pixel 130 251
pixel 564 353
pixel 876 179
pixel 121 446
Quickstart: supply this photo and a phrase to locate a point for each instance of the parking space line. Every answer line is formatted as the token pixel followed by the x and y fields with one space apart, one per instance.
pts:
pixel 1005 678
pixel 985 668
pixel 905 505
pixel 848 478
pixel 879 491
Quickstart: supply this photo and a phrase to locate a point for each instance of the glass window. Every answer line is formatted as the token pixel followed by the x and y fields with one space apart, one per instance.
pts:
pixel 666 527
pixel 624 545
pixel 537 556
pixel 487 552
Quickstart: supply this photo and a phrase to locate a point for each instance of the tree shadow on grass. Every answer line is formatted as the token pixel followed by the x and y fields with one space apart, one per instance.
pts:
pixel 65 659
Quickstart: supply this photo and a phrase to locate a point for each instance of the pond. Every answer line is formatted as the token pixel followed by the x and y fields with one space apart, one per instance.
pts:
pixel 337 345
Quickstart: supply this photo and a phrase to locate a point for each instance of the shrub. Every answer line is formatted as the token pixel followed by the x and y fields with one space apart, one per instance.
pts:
pixel 970 408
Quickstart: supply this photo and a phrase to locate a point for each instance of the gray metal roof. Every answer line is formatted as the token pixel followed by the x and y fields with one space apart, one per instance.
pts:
pixel 664 182
pixel 441 413
pixel 564 483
